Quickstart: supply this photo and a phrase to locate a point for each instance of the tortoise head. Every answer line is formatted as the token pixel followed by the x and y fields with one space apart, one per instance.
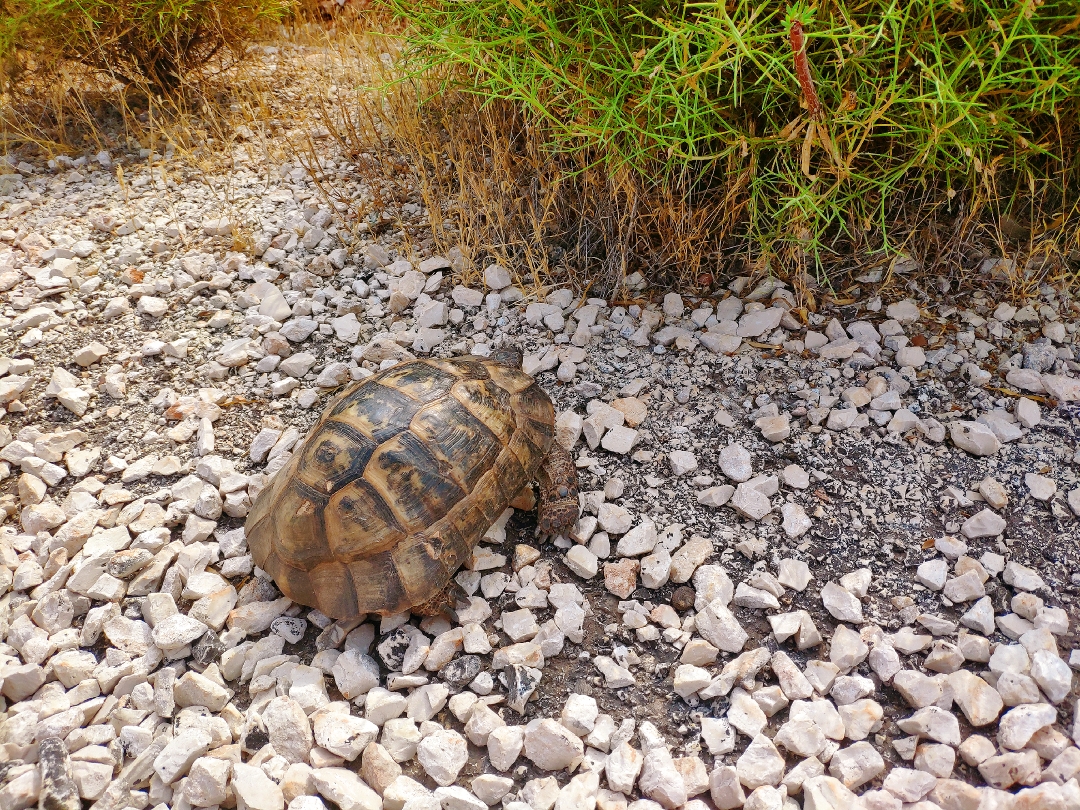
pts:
pixel 507 357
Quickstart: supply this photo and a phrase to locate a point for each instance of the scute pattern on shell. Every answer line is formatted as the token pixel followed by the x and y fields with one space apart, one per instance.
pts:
pixel 397 482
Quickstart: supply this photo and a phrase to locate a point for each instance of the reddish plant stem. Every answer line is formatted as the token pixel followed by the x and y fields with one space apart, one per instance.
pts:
pixel 802 70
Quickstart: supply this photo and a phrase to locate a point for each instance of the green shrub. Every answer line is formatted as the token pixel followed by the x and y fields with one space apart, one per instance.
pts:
pixel 158 44
pixel 965 107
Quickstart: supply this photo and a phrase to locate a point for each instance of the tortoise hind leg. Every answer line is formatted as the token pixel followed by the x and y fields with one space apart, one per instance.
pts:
pixel 558 492
pixel 442 603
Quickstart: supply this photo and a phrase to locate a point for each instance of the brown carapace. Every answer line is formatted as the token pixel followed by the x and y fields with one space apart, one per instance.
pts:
pixel 402 475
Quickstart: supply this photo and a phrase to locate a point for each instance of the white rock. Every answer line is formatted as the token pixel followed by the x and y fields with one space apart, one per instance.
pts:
pixel 760 764
pixel 661 781
pixel 442 755
pixel 964 588
pixel 455 797
pixel 801 737
pixel 176 758
pixel 615 676
pixel 718 735
pixel 791 679
pixel 820 712
pixel 289 729
pixel 344 735
pixel 861 717
pixel 92 778
pixel 689 557
pixel 152 306
pixel 551 746
pixel 355 674
pixel 619 440
pixel 622 767
pixel 1052 674
pixel 504 746
pixel 774 428
pixel 979 701
pixel 856 765
pixel 344 788
pixel 520 625
pixel 1040 487
pixel 639 540
pixel 794 574
pixel 933 573
pixel 750 502
pixel 827 793
pixel 579 792
pixel 582 562
pixel 1022 578
pixel 725 789
pixel 194 689
pixel 682 462
pixel 909 785
pixel 22 791
pixel 1018 725
pixel 796 522
pixel 382 705
pixel 975 438
pixel 482 721
pixel 718 625
pixel 1027 412
pixel 841 604
pixel 745 714
pixel 993 493
pixel 497 277
pixel 933 722
pixel 76 400
pixel 579 713
pixel 983 524
pixel 717 496
pixel 207 782
pixel 736 463
pixel 761 322
pixel 747 596
pixel 904 312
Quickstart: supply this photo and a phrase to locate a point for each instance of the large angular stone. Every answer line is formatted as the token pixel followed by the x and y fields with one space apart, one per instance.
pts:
pixel 718 625
pixel 254 790
pixel 841 604
pixel 1019 724
pixel 856 765
pixel 661 781
pixel 979 701
pixel 974 437
pixel 985 523
pixel 551 746
pixel 345 789
pixel 760 764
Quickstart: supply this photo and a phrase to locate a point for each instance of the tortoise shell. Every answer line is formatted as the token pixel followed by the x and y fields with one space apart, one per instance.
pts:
pixel 396 483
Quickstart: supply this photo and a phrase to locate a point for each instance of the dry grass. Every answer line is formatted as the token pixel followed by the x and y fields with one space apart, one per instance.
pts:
pixel 938 130
pixel 490 187
pixel 243 110
pixel 159 45
pixel 494 190
pixel 491 191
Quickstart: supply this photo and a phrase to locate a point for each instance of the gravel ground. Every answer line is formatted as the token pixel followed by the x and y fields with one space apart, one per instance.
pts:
pixel 823 565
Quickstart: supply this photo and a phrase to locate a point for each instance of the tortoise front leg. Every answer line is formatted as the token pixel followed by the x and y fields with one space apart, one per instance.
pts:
pixel 558 492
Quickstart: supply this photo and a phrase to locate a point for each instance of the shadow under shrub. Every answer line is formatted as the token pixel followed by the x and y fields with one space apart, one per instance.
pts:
pixel 813 135
pixel 155 44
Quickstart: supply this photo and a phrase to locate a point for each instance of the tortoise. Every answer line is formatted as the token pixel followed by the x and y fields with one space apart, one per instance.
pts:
pixel 399 479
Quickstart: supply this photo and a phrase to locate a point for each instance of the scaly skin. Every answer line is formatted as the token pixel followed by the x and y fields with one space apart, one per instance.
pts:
pixel 558 492
pixel 442 603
